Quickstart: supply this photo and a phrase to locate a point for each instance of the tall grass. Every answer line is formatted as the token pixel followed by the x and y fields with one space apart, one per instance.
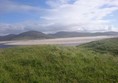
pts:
pixel 57 64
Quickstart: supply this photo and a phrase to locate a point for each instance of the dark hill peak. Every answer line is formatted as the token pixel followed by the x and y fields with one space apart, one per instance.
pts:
pixel 32 35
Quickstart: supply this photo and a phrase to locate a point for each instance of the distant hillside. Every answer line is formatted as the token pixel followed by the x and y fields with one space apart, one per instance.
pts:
pixel 39 35
pixel 25 36
pixel 7 37
pixel 32 35
pixel 83 34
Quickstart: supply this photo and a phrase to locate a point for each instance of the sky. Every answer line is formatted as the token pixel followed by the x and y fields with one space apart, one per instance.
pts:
pixel 51 16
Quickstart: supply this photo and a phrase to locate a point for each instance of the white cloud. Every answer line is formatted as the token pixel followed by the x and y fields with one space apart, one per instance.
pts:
pixel 79 15
pixel 81 12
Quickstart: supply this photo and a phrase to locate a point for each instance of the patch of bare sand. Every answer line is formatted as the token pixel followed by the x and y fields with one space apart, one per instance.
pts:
pixel 57 41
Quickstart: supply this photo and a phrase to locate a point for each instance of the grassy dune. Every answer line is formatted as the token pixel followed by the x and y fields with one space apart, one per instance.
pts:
pixel 109 46
pixel 89 63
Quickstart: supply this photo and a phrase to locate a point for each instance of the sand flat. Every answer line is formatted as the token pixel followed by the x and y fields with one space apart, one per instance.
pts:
pixel 57 41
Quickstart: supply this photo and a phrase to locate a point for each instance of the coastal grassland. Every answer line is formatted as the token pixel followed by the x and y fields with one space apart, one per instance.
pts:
pixel 59 64
pixel 109 46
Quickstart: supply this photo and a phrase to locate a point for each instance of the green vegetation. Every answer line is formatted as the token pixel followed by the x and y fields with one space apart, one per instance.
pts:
pixel 88 63
pixel 104 46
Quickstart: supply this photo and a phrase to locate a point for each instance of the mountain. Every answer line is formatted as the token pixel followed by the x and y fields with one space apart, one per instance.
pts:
pixel 7 37
pixel 25 36
pixel 82 34
pixel 32 35
pixel 65 34
pixel 39 35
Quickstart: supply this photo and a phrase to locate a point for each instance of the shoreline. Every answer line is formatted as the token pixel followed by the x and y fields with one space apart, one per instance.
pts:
pixel 73 41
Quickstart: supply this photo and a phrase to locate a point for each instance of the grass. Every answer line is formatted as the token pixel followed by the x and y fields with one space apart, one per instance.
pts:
pixel 58 64
pixel 104 46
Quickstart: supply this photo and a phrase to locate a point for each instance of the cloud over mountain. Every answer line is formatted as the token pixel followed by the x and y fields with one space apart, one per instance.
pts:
pixel 72 15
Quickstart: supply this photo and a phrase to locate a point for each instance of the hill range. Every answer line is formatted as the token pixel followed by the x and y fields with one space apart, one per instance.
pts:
pixel 63 34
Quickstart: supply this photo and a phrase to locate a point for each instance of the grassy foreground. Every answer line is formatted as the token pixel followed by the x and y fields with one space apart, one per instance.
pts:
pixel 90 63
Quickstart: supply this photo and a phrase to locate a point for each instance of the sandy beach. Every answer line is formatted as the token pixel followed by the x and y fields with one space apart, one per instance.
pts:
pixel 57 41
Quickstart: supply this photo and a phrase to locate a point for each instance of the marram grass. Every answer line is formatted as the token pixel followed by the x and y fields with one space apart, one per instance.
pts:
pixel 57 64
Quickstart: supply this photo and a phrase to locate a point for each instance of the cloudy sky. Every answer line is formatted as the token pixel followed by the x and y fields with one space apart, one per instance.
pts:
pixel 58 15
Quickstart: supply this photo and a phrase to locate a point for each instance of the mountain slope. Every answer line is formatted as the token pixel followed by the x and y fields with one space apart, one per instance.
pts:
pixel 7 37
pixel 25 36
pixel 32 35
pixel 83 34
pixel 39 35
